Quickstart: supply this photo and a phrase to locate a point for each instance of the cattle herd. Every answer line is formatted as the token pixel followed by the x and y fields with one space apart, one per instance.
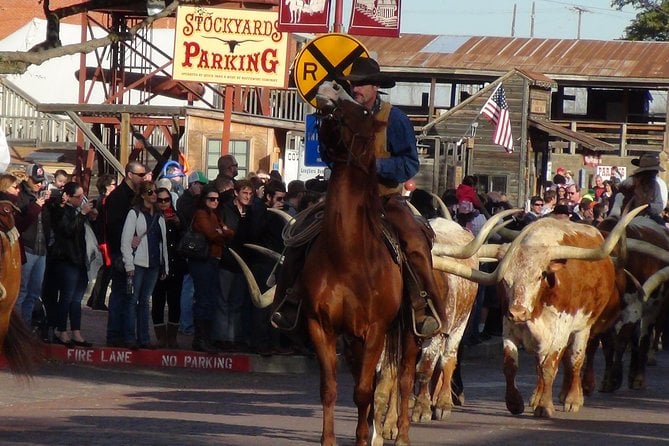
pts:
pixel 565 288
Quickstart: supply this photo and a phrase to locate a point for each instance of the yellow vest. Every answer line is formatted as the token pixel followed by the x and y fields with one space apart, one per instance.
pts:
pixel 381 146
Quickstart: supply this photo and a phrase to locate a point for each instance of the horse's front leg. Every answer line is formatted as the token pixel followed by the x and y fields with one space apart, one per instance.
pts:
pixel 325 345
pixel 364 387
pixel 407 366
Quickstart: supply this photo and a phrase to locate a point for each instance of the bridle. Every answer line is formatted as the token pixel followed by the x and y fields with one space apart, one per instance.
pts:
pixel 353 159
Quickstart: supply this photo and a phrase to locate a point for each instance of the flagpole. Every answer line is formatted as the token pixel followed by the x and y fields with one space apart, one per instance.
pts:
pixel 338 16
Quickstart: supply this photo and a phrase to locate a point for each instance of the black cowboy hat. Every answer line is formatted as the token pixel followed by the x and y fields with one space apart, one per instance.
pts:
pixel 646 162
pixel 366 70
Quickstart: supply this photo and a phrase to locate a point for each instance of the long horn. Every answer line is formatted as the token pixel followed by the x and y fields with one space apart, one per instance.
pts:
pixel 442 206
pixel 489 250
pixel 283 214
pixel 509 234
pixel 463 252
pixel 453 266
pixel 573 252
pixel 415 211
pixel 654 281
pixel 260 300
pixel 649 249
pixel 276 256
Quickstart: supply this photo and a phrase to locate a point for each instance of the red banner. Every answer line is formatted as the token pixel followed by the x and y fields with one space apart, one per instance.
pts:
pixel 307 16
pixel 375 18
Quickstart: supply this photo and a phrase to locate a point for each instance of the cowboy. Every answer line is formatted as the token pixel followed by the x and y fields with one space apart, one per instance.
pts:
pixel 645 187
pixel 396 162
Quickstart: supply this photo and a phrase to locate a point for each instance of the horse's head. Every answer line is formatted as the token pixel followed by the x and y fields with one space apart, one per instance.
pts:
pixel 347 128
pixel 7 210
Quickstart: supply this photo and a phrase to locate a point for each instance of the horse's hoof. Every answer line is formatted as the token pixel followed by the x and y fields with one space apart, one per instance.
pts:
pixel 441 414
pixel 544 411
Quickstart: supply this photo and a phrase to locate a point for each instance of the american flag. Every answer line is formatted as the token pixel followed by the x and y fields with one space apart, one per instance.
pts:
pixel 497 111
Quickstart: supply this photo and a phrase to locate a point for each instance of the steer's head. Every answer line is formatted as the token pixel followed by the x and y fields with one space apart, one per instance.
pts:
pixel 534 274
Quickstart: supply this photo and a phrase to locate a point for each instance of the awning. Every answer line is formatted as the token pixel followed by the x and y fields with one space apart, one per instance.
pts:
pixel 581 138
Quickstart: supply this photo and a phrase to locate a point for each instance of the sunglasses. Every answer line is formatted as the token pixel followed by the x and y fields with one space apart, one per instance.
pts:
pixel 164 200
pixel 139 174
pixel 212 198
pixel 278 199
pixel 537 204
pixel 150 192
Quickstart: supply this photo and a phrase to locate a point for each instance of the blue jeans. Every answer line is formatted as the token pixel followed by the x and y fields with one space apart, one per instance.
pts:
pixel 117 308
pixel 230 323
pixel 207 288
pixel 138 310
pixel 73 281
pixel 32 275
pixel 186 318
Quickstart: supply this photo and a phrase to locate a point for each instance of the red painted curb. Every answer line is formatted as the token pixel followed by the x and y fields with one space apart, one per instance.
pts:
pixel 109 356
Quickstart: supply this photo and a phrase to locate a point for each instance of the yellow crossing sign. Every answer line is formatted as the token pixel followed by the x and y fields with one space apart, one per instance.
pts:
pixel 325 58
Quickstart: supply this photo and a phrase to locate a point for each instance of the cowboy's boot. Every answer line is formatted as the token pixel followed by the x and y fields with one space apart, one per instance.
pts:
pixel 286 313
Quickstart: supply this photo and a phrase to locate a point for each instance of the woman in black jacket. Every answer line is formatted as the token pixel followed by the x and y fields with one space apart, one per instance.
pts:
pixel 168 291
pixel 69 254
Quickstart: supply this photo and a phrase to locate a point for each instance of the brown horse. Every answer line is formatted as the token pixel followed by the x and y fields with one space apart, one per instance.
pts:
pixel 350 283
pixel 17 343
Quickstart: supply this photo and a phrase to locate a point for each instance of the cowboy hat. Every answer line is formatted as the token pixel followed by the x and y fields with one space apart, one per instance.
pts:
pixel 646 162
pixel 365 70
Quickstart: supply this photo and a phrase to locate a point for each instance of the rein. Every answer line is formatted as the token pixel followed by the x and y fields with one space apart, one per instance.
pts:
pixel 352 159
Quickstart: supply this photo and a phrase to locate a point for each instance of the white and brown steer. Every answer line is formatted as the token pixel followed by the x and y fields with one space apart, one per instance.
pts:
pixel 560 288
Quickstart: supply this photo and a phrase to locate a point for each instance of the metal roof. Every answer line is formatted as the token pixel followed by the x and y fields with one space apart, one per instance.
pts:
pixel 594 61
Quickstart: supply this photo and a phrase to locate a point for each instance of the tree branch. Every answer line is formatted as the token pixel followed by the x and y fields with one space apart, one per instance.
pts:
pixel 17 62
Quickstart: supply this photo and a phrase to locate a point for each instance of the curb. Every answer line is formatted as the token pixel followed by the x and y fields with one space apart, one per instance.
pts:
pixel 224 362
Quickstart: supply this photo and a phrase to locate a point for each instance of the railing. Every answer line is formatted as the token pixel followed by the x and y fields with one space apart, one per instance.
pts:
pixel 285 104
pixel 22 122
pixel 628 137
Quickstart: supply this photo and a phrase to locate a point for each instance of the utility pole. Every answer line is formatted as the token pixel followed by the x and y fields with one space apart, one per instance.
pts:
pixel 580 12
pixel 532 20
pixel 513 21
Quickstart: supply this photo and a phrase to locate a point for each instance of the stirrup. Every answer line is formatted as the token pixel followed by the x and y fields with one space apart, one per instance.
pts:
pixel 280 313
pixel 430 305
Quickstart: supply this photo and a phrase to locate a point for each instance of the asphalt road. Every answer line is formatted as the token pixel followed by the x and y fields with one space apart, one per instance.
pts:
pixel 74 404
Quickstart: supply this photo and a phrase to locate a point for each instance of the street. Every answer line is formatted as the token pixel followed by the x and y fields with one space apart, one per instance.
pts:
pixel 76 404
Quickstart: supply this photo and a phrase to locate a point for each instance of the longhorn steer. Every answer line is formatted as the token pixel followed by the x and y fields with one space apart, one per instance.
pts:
pixel 559 288
pixel 639 316
pixel 438 358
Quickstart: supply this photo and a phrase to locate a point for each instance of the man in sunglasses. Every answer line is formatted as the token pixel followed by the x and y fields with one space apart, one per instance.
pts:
pixel 114 212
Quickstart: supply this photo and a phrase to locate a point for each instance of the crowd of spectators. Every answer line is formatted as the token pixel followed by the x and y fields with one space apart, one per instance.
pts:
pixel 126 241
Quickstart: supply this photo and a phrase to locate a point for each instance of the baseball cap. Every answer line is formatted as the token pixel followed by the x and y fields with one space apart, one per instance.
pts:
pixel 197 177
pixel 36 172
pixel 295 187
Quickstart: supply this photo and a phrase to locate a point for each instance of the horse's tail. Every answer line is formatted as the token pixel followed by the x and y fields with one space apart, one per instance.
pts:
pixel 24 353
pixel 393 347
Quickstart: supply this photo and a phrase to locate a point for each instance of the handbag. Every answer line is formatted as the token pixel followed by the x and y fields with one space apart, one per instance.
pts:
pixel 106 256
pixel 193 245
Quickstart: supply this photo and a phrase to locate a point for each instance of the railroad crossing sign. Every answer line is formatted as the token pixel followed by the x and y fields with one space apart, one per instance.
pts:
pixel 325 58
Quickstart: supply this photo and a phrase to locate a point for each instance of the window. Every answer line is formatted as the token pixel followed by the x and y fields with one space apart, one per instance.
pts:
pixel 487 183
pixel 239 148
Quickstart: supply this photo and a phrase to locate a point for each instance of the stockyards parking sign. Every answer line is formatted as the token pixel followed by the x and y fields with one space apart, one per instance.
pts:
pixel 229 46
